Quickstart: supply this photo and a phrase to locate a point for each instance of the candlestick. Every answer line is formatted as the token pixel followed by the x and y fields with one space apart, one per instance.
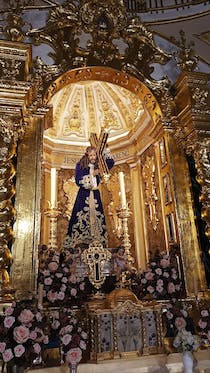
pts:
pixel 53 185
pixel 178 266
pixel 122 190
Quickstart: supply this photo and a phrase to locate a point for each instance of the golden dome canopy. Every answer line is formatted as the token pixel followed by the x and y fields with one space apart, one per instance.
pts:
pixel 85 107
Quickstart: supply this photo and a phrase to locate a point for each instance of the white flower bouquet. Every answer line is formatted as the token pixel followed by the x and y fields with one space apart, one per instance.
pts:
pixel 185 341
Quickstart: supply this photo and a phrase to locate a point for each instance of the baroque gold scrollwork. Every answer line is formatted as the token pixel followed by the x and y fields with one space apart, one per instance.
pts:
pixel 10 131
pixel 202 159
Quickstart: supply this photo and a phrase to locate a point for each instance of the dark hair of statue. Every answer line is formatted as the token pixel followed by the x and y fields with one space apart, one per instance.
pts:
pixel 84 161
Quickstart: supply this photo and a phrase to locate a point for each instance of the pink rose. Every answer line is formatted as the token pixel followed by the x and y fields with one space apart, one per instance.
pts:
pixel 33 335
pixel 164 263
pixel 180 323
pixel 202 324
pixel 46 273
pixel 7 355
pixel 171 288
pixel 74 355
pixel 21 334
pixel 82 286
pixel 52 296
pixel 149 276
pixel 26 316
pixel 2 347
pixel 165 274
pixel 82 345
pixel 37 348
pixel 204 313
pixel 59 274
pixel 68 329
pixel 48 281
pixel 84 335
pixel 55 324
pixel 53 266
pixel 9 311
pixel 9 321
pixel 61 295
pixel 73 292
pixel 150 289
pixel 158 271
pixel 73 279
pixel 19 350
pixel 66 339
pixel 159 288
pixel 64 280
pixel 160 282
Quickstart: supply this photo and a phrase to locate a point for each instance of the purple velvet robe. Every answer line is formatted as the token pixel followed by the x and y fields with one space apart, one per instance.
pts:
pixel 87 222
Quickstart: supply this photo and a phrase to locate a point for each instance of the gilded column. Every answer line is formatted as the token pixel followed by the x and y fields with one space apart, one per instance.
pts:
pixel 10 131
pixel 191 126
pixel 28 207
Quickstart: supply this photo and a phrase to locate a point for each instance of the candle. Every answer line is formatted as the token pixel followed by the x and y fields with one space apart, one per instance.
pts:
pixel 178 266
pixel 122 190
pixel 53 196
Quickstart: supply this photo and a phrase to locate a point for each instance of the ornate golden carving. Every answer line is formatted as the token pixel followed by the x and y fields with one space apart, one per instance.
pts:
pixel 202 159
pixel 96 257
pixel 10 131
pixel 186 59
pixel 103 24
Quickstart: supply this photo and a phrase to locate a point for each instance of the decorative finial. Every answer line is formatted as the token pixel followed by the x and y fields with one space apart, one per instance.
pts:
pixel 185 57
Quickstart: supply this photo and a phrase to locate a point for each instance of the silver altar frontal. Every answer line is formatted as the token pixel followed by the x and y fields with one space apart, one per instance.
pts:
pixel 122 327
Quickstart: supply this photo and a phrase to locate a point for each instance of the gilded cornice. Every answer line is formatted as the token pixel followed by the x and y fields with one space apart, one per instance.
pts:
pixel 15 61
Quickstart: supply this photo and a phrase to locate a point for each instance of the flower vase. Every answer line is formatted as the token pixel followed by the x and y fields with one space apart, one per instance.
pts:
pixel 187 358
pixel 73 368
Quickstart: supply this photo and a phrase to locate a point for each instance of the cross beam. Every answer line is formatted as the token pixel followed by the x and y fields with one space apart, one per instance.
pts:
pixel 100 144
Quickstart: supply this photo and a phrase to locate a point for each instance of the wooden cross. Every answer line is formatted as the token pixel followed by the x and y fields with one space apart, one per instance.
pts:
pixel 100 144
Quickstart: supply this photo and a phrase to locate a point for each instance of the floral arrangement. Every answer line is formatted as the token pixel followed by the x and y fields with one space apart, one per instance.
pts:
pixel 176 317
pixel 21 334
pixel 159 281
pixel 72 334
pixel 185 341
pixel 60 283
pixel 204 325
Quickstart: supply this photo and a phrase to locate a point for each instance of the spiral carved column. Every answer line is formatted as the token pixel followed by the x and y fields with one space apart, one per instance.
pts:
pixel 201 155
pixel 9 134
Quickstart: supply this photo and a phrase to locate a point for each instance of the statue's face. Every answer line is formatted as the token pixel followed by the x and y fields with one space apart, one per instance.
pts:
pixel 92 156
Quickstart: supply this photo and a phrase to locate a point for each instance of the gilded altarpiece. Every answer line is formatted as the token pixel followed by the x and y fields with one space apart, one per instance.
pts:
pixel 152 200
pixel 190 123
